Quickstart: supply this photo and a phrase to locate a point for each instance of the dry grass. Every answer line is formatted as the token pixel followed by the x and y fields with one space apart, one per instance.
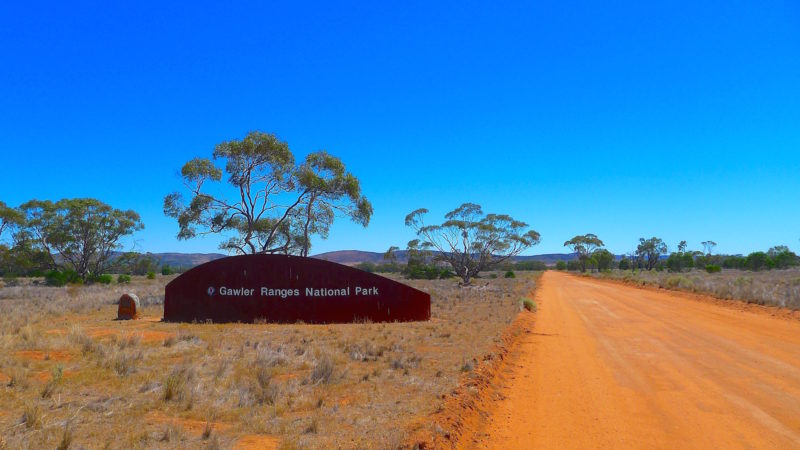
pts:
pixel 86 380
pixel 773 287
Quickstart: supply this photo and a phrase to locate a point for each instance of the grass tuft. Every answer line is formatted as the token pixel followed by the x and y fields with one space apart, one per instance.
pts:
pixel 323 370
pixel 529 304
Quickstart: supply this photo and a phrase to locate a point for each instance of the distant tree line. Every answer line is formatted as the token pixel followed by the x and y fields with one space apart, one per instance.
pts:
pixel 71 241
pixel 76 237
pixel 433 271
pixel 652 254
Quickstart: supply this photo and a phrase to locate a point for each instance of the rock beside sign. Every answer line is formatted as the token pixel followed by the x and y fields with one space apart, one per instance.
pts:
pixel 288 289
pixel 128 307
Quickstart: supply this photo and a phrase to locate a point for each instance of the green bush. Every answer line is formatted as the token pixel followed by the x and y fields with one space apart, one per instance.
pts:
pixel 123 279
pixel 166 270
pixel 151 275
pixel 528 265
pixel 561 265
pixel 712 268
pixel 422 272
pixel 103 279
pixel 758 261
pixel 62 278
pixel 529 304
pixel 510 274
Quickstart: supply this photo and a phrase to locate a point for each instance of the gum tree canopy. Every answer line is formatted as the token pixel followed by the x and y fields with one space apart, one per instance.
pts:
pixel 269 205
pixel 471 241
pixel 584 246
pixel 650 251
pixel 79 234
pixel 9 218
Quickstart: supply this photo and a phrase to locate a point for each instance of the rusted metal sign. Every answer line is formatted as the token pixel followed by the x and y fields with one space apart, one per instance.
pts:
pixel 287 289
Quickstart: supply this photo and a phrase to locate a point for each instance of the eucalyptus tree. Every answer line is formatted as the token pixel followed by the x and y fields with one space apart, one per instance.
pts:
pixel 604 259
pixel 471 241
pixel 390 256
pixel 329 191
pixel 708 246
pixel 650 250
pixel 681 259
pixel 80 234
pixel 10 218
pixel 584 246
pixel 269 205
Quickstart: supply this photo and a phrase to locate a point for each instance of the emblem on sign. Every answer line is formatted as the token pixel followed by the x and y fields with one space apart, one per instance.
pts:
pixel 211 291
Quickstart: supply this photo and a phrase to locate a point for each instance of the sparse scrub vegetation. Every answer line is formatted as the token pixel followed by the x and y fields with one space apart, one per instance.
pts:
pixel 323 370
pixel 169 378
pixel 176 382
pixel 774 287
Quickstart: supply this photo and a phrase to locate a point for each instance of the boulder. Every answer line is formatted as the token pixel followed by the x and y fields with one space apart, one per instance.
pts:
pixel 128 308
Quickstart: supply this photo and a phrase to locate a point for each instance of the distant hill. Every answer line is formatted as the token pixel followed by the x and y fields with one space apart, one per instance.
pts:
pixel 346 257
pixel 184 260
pixel 353 257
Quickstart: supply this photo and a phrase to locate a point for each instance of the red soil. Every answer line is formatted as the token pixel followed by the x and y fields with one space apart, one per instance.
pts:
pixel 40 355
pixel 257 442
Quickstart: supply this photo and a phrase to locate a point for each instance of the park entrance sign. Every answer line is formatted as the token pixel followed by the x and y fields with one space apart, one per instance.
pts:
pixel 287 289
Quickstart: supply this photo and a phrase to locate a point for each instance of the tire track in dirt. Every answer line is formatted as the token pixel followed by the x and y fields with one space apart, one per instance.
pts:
pixel 611 366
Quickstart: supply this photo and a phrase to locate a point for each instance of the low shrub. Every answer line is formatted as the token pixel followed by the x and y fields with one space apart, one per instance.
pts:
pixel 323 370
pixel 175 384
pixel 124 363
pixel 56 373
pixel 103 279
pixel 677 282
pixel 529 304
pixel 510 274
pixel 32 416
pixel 62 278
pixel 151 275
pixel 422 272
pixel 712 268
pixel 123 279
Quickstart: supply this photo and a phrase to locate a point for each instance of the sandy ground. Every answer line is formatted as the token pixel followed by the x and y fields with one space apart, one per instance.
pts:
pixel 611 366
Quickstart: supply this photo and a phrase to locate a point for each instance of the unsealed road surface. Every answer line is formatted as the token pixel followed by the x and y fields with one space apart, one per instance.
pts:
pixel 612 366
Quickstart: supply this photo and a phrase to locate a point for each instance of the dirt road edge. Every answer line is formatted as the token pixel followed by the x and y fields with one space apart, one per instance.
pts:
pixel 465 406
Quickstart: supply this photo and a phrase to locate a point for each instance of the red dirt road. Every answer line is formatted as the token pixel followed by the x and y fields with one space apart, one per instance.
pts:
pixel 611 366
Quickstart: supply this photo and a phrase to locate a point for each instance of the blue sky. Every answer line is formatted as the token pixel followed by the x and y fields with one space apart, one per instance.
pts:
pixel 680 121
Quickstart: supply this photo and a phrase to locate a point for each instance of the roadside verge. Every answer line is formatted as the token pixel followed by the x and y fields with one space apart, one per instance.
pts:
pixel 463 411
